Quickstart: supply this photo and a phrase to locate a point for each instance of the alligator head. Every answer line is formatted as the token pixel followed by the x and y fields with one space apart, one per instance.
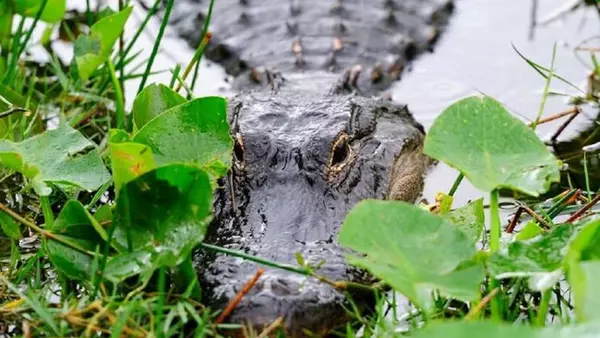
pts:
pixel 302 159
pixel 307 151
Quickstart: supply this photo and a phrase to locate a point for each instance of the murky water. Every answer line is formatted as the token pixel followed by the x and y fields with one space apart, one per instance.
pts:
pixel 476 56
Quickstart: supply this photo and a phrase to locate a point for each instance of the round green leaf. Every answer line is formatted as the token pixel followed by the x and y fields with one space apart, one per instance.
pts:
pixel 53 12
pixel 493 149
pixel 93 50
pixel 412 250
pixel 77 226
pixel 194 132
pixel 164 211
pixel 61 156
pixel 153 101
pixel 128 161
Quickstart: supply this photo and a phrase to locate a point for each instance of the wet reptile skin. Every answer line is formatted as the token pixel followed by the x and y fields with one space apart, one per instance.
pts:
pixel 309 147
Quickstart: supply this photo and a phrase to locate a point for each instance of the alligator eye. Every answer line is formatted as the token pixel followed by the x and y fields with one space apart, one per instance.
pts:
pixel 238 148
pixel 341 151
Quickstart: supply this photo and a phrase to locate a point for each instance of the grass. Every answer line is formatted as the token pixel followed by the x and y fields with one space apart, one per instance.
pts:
pixel 39 297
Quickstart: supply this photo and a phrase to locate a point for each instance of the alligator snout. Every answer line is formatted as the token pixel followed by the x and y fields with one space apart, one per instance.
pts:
pixel 300 303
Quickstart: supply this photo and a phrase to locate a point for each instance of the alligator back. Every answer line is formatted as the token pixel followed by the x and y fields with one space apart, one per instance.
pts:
pixel 302 35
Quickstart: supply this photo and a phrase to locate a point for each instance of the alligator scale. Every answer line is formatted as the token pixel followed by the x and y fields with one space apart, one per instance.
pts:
pixel 313 135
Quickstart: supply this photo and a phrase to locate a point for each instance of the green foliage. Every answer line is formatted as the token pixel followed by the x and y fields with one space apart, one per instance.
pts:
pixel 194 132
pixel 53 11
pixel 164 211
pixel 469 218
pixel 90 51
pixel 62 156
pixel 129 160
pixel 544 254
pixel 495 330
pixel 78 227
pixel 491 148
pixel 9 226
pixel 583 278
pixel 412 250
pixel 152 101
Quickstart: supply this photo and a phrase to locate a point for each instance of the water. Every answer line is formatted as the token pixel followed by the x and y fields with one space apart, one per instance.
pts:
pixel 476 56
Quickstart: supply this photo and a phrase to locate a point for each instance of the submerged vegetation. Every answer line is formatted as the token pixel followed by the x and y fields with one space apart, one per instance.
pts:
pixel 102 207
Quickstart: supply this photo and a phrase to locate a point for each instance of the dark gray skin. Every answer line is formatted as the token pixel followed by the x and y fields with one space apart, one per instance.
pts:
pixel 309 144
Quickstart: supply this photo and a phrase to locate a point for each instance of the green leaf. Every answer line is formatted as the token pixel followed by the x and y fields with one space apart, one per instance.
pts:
pixel 128 264
pixel 412 250
pixel 194 132
pixel 489 329
pixel 53 12
pixel 585 245
pixel 165 211
pixel 118 136
pixel 76 225
pixel 9 226
pixel 90 51
pixel 584 279
pixel 62 156
pixel 129 160
pixel 469 218
pixel 493 149
pixel 542 255
pixel 153 101
pixel 529 231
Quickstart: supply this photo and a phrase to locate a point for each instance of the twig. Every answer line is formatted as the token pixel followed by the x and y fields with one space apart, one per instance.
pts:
pixel 481 304
pixel 564 125
pixel 513 223
pixel 194 59
pixel 588 49
pixel 12 110
pixel 537 217
pixel 275 324
pixel 584 209
pixel 43 232
pixel 557 116
pixel 234 302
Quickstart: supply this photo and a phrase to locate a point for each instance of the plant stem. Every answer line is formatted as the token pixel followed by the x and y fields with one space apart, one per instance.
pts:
pixel 287 267
pixel 495 222
pixel 543 308
pixel 43 232
pixel 162 276
pixel 203 37
pixel 48 214
pixel 175 74
pixel 587 177
pixel 456 184
pixel 546 90
pixel 118 95
pixel 186 275
pixel 495 246
pixel 137 34
pixel 121 47
pixel 161 32
pixel 195 59
pixel 340 285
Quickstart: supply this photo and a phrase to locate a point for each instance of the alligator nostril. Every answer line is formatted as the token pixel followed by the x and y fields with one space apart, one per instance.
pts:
pixel 284 288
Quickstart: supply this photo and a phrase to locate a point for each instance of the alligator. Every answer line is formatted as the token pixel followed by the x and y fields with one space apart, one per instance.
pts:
pixel 312 137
